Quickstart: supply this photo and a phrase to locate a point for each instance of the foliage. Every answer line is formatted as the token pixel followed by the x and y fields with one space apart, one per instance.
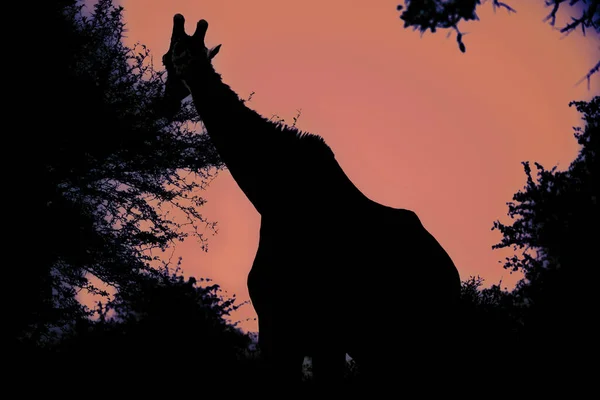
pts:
pixel 431 15
pixel 546 324
pixel 555 213
pixel 489 323
pixel 167 322
pixel 115 183
pixel 554 235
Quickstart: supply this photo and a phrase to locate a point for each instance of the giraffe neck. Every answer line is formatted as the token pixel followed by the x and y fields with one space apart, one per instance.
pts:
pixel 236 131
pixel 277 167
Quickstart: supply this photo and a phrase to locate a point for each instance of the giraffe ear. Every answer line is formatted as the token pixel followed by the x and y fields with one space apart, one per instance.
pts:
pixel 213 52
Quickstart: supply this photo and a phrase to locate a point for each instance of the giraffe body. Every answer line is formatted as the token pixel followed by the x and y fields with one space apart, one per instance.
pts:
pixel 335 273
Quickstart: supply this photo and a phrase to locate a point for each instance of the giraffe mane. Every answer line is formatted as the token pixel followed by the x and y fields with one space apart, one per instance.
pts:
pixel 285 134
pixel 310 141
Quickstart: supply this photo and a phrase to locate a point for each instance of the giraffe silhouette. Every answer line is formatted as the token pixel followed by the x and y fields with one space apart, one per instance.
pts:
pixel 335 273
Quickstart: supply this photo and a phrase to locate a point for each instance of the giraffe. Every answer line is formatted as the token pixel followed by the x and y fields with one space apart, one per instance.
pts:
pixel 320 240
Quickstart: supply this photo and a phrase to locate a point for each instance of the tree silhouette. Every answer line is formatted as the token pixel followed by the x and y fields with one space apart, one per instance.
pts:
pixel 166 325
pixel 537 335
pixel 554 235
pixel 424 15
pixel 111 184
pixel 108 185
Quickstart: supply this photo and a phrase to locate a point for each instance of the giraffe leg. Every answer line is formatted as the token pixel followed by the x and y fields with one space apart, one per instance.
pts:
pixel 328 368
pixel 282 361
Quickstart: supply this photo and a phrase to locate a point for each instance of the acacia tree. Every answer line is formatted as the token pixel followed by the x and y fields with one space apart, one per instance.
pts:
pixel 112 183
pixel 165 324
pixel 554 236
pixel 546 325
pixel 424 15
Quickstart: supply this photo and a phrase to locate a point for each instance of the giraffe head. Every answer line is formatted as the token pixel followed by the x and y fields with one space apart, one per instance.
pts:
pixel 186 56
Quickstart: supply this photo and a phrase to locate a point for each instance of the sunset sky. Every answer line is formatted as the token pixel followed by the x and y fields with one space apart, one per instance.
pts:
pixel 414 122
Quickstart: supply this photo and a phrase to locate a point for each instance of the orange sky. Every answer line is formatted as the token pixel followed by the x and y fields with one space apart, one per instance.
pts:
pixel 415 123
